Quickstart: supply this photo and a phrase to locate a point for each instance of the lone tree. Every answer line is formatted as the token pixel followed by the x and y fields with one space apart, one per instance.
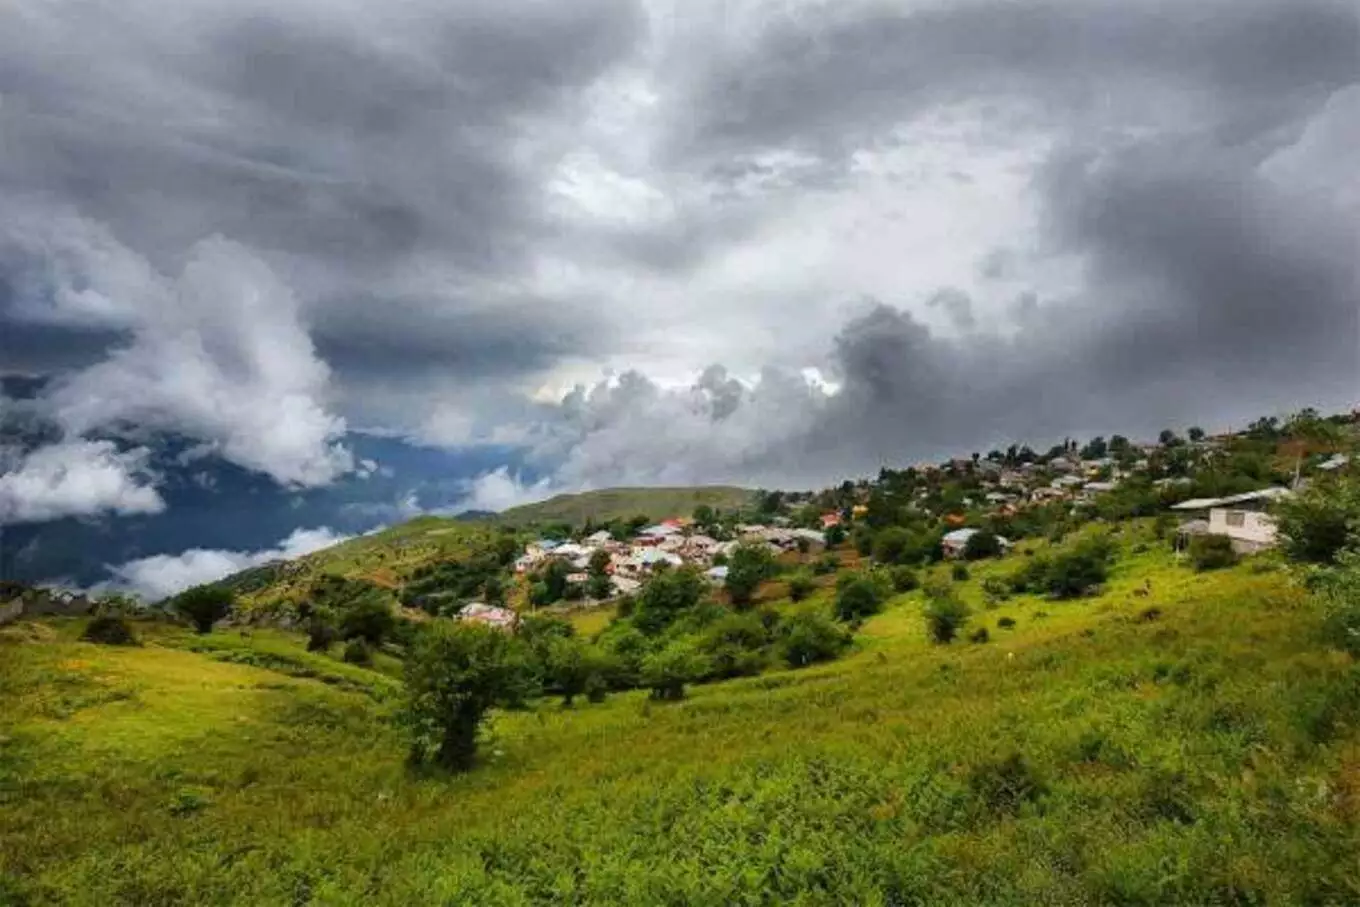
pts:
pixel 747 567
pixel 455 674
pixel 204 606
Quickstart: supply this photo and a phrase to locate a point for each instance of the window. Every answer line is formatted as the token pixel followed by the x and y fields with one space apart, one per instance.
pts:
pixel 1236 518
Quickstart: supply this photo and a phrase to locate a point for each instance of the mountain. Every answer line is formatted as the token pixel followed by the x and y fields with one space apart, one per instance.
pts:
pixel 623 503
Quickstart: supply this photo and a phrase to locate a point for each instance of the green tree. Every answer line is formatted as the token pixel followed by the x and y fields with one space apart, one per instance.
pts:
pixel 573 666
pixel 667 595
pixel 892 545
pixel 1314 524
pixel 667 671
pixel 982 544
pixel 735 645
pixel 945 612
pixel 1168 438
pixel 204 606
pixel 801 585
pixel 493 590
pixel 806 637
pixel 455 674
pixel 858 597
pixel 1195 434
pixel 370 619
pixel 750 564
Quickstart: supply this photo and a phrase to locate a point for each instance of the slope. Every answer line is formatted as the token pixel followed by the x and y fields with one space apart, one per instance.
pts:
pixel 625 503
pixel 1192 746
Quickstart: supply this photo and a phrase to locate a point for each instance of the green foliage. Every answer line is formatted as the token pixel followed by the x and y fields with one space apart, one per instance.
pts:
pixel 1314 524
pixel 735 645
pixel 573 667
pixel 980 635
pixel 1005 623
pixel 835 535
pixel 1077 570
pixel 826 564
pixel 750 564
pixel 1003 786
pixel 857 597
pixel 108 630
pixel 667 671
pixel 204 606
pixel 904 579
pixel 944 611
pixel 1337 588
pixel 801 585
pixel 358 651
pixel 995 590
pixel 982 544
pixel 1211 552
pixel 321 630
pixel 493 590
pixel 665 596
pixel 455 674
pixel 807 636
pixel 959 573
pixel 370 619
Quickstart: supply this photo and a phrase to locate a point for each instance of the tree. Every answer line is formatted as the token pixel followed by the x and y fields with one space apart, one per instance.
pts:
pixel 109 630
pixel 904 579
pixel 891 545
pixel 807 637
pixel 667 594
pixel 800 585
pixel 1314 524
pixel 455 674
pixel 1195 434
pixel 750 564
pixel 1168 438
pixel 493 590
pixel 599 586
pixel 945 612
pixel 858 597
pixel 573 666
pixel 835 535
pixel 735 645
pixel 320 628
pixel 370 619
pixel 982 544
pixel 204 606
pixel 705 517
pixel 667 672
pixel 1095 449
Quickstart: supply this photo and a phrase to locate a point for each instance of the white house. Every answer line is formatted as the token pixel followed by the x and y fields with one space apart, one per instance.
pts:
pixel 1240 517
pixel 480 613
pixel 955 542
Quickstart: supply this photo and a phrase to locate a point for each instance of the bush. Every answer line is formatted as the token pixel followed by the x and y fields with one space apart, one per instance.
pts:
pixel 735 645
pixel 826 564
pixel 959 573
pixel 982 544
pixel 358 652
pixel 807 637
pixel 1080 569
pixel 980 635
pixel 667 672
pixel 857 598
pixel 370 619
pixel 204 606
pixel 995 590
pixel 456 673
pixel 801 585
pixel 1002 787
pixel 945 613
pixel 904 579
pixel 666 596
pixel 1338 591
pixel 1006 623
pixel 749 565
pixel 321 632
pixel 108 630
pixel 1211 552
pixel 572 668
pixel 1314 524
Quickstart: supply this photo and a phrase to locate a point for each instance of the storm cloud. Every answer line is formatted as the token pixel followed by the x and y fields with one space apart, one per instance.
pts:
pixel 666 242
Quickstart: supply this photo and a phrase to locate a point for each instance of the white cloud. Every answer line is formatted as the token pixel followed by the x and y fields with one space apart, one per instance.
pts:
pixel 163 575
pixel 499 490
pixel 76 478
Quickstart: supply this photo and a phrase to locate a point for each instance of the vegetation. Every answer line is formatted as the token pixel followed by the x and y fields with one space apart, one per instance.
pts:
pixel 204 606
pixel 747 567
pixel 1211 552
pixel 109 630
pixel 624 503
pixel 945 613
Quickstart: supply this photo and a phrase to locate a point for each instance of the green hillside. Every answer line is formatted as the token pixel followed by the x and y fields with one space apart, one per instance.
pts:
pixel 624 503
pixel 1197 744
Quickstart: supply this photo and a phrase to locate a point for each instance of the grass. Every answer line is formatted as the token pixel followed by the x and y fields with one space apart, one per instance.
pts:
pixel 1208 754
pixel 625 503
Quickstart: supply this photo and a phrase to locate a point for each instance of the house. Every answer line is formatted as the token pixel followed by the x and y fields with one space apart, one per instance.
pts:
pixel 1240 517
pixel 1066 482
pixel 599 538
pixel 1337 461
pixel 625 586
pixel 1091 489
pixel 653 535
pixel 490 615
pixel 1062 464
pixel 956 541
pixel 831 518
pixel 716 575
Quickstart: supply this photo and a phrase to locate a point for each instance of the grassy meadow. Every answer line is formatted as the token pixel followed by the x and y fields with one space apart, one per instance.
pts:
pixel 1192 745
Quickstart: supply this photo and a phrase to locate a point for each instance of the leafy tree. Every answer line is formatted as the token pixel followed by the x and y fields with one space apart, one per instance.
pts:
pixel 982 544
pixel 1095 449
pixel 891 545
pixel 1338 590
pixel 358 652
pixel 554 577
pixel 320 628
pixel 1074 572
pixel 705 517
pixel 573 666
pixel 599 563
pixel 945 612
pixel 204 606
pixel 858 597
pixel 665 596
pixel 735 645
pixel 493 590
pixel 1315 523
pixel 904 579
pixel 750 564
pixel 109 630
pixel 835 535
pixel 370 619
pixel 455 674
pixel 827 563
pixel 667 671
pixel 599 586
pixel 806 637
pixel 1119 447
pixel 1168 438
pixel 801 585
pixel 1195 434
pixel 1212 552
pixel 863 539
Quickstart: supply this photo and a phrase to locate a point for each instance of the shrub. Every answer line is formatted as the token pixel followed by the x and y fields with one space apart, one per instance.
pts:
pixel 358 652
pixel 801 585
pixel 1338 591
pixel 904 579
pixel 1314 524
pixel 982 544
pixel 1003 786
pixel 995 590
pixel 667 672
pixel 856 598
pixel 370 619
pixel 108 630
pixel 455 673
pixel 1211 552
pixel 980 635
pixel 1006 623
pixel 806 637
pixel 749 565
pixel 573 667
pixel 204 606
pixel 959 573
pixel 321 632
pixel 1080 569
pixel 735 645
pixel 945 613
pixel 666 596
pixel 826 564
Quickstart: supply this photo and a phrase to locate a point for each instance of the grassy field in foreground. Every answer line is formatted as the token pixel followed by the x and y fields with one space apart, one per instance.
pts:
pixel 625 503
pixel 1096 753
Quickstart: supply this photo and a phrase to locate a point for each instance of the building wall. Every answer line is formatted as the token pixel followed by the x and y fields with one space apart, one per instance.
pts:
pixel 1249 530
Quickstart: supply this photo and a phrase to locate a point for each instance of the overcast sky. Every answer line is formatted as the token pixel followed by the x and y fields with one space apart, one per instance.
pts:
pixel 773 243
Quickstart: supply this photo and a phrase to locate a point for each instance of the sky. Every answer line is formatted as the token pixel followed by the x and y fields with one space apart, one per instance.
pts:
pixel 771 243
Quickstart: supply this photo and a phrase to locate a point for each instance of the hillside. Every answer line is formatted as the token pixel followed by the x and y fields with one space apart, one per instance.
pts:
pixel 1193 745
pixel 625 503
